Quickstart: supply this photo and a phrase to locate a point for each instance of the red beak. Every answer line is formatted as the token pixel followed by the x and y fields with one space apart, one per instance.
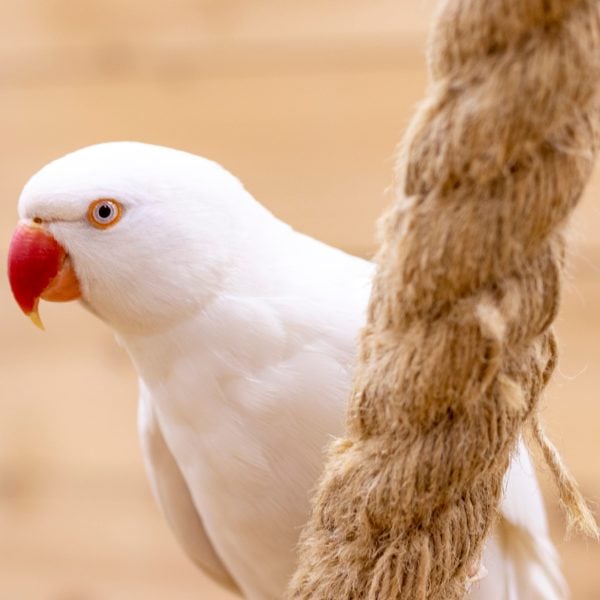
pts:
pixel 39 267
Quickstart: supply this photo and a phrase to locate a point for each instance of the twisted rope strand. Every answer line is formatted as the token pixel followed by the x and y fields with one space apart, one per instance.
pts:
pixel 579 515
pixel 457 346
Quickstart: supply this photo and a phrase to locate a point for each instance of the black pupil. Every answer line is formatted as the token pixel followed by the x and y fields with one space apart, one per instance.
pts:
pixel 104 211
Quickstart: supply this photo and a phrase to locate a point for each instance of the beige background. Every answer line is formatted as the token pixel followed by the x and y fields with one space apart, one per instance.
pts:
pixel 302 100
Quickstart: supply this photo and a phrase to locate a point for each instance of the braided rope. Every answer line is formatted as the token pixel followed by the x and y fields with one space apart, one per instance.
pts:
pixel 458 346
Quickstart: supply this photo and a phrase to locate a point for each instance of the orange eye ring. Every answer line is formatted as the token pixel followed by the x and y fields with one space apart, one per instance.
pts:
pixel 104 213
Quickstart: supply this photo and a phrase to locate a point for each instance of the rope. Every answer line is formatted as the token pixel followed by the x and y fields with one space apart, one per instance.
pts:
pixel 458 346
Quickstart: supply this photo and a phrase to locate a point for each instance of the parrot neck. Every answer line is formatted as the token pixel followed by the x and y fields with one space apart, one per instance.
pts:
pixel 215 344
pixel 156 354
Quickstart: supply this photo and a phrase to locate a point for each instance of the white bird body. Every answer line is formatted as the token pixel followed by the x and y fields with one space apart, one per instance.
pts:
pixel 247 395
pixel 243 334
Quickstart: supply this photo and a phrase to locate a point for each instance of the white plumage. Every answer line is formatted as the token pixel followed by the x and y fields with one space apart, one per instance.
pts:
pixel 243 334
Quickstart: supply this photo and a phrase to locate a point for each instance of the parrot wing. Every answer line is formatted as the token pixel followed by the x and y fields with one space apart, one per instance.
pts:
pixel 173 496
pixel 520 559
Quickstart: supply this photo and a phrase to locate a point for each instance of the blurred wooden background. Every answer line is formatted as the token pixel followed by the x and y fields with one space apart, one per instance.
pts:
pixel 305 102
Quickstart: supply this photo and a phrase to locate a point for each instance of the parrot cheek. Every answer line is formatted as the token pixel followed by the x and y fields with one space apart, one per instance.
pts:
pixel 39 267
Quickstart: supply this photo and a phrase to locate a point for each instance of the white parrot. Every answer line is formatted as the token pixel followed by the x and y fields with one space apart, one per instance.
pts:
pixel 242 332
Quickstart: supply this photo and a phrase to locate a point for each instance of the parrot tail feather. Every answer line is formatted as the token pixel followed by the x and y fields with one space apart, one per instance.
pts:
pixel 532 564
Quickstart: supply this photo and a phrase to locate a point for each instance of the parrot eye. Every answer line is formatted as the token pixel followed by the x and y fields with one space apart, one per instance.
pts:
pixel 104 213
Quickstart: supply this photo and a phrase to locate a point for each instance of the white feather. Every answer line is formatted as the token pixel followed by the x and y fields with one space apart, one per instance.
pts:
pixel 521 560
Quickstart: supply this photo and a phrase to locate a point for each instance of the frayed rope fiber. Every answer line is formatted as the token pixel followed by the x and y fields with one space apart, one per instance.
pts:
pixel 458 345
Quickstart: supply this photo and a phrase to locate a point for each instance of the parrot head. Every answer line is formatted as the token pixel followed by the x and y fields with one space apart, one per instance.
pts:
pixel 141 234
